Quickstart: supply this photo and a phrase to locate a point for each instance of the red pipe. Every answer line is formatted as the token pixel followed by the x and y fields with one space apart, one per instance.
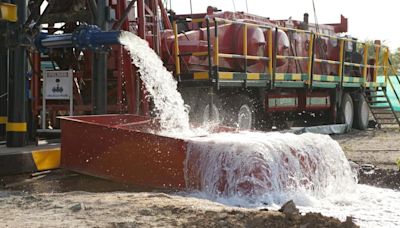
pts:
pixel 164 15
pixel 144 104
pixel 36 82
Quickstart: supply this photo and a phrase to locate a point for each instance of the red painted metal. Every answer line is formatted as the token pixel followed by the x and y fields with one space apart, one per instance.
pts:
pixel 121 148
pixel 141 5
pixel 122 77
pixel 35 86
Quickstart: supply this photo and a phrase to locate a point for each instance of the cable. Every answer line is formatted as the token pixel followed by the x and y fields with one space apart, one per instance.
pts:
pixel 247 7
pixel 319 40
pixel 234 6
pixel 3 95
pixel 315 17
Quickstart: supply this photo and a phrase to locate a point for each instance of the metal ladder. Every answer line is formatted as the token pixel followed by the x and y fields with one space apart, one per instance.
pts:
pixel 380 105
pixel 381 108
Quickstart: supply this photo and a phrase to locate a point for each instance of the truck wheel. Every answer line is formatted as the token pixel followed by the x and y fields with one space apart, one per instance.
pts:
pixel 202 115
pixel 346 115
pixel 243 112
pixel 361 112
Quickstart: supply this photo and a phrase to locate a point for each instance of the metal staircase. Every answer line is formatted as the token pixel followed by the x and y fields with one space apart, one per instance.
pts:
pixel 380 105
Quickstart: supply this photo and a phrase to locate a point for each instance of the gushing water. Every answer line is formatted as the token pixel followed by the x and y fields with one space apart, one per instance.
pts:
pixel 254 169
pixel 159 83
pixel 251 164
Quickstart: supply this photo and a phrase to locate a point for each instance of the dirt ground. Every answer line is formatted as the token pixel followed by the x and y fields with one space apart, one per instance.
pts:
pixel 380 147
pixel 64 199
pixel 122 209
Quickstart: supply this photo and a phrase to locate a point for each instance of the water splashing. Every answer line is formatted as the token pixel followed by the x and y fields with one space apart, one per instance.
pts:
pixel 255 169
pixel 253 164
pixel 159 83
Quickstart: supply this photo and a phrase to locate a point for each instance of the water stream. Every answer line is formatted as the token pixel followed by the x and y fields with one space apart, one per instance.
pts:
pixel 254 169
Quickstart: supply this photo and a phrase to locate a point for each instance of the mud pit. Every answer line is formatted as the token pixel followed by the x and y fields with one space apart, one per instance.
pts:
pixel 64 199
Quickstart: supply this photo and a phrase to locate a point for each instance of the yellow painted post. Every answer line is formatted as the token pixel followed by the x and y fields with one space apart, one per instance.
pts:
pixel 216 44
pixel 245 47
pixel 310 58
pixel 245 40
pixel 365 68
pixel 385 64
pixel 270 62
pixel 341 55
pixel 377 50
pixel 176 47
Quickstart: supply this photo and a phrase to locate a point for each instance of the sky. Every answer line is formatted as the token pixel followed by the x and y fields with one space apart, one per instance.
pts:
pixel 368 19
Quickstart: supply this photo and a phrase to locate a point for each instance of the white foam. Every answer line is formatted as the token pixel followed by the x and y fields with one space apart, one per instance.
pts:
pixel 253 169
pixel 251 164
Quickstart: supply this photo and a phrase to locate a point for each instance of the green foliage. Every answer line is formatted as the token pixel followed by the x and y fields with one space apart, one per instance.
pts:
pixel 395 58
pixel 398 163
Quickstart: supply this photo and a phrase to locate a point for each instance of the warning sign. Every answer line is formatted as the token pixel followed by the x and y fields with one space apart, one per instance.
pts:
pixel 58 84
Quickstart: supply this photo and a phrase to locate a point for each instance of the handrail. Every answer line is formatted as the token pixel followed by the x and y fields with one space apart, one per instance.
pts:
pixel 176 48
pixel 311 51
pixel 243 23
pixel 271 54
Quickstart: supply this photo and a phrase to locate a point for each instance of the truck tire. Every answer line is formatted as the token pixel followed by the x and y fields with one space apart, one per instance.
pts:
pixel 202 112
pixel 346 111
pixel 361 112
pixel 242 112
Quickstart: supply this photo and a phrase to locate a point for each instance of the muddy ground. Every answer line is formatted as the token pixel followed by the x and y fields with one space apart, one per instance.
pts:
pixel 64 199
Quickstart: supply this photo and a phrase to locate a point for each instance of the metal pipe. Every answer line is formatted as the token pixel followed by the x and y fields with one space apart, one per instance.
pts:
pixel 270 51
pixel 85 37
pixel 16 126
pixel 341 60
pixel 35 82
pixel 3 84
pixel 141 19
pixel 99 67
pixel 57 41
pixel 275 53
pixel 93 8
pixel 365 62
pixel 210 72
pixel 377 51
pixel 142 34
pixel 164 15
pixel 176 48
pixel 124 15
pixel 311 51
pixel 245 47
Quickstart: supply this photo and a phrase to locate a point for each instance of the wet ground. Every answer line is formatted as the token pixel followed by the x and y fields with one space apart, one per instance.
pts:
pixel 66 199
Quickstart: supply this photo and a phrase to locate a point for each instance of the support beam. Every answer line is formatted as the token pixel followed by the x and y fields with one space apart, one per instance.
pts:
pixel 99 67
pixel 16 126
pixel 3 83
pixel 141 5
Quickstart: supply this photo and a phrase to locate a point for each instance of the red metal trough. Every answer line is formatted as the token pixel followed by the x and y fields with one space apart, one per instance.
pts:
pixel 122 148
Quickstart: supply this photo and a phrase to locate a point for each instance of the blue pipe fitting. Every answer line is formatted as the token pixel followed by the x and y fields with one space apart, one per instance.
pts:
pixel 85 37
